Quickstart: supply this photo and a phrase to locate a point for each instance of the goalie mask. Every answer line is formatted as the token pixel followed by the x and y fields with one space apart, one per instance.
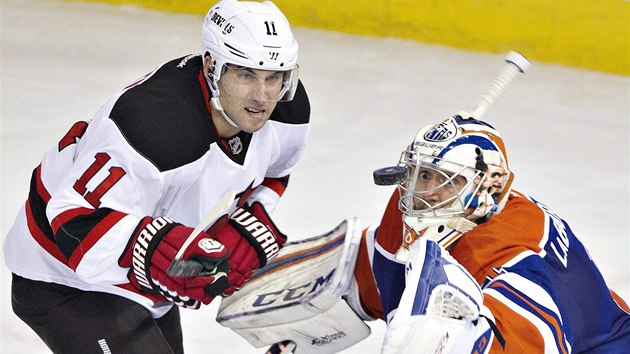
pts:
pixel 456 174
pixel 250 35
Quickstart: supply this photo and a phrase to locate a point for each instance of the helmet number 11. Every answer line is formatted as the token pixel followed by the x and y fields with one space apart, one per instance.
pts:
pixel 271 28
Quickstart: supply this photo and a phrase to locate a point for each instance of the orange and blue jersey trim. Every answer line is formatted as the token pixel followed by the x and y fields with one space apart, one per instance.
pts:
pixel 549 317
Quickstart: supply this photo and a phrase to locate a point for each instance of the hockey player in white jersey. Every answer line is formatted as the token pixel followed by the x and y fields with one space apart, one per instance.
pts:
pixel 113 203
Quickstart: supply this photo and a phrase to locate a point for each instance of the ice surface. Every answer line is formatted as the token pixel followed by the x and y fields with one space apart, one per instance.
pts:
pixel 566 129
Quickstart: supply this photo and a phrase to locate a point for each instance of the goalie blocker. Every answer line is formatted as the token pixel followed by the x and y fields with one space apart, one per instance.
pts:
pixel 305 300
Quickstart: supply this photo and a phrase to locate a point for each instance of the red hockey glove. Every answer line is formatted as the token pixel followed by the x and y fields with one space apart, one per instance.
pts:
pixel 151 251
pixel 253 240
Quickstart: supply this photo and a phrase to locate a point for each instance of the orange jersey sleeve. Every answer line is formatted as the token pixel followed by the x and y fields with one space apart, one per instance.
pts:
pixel 518 228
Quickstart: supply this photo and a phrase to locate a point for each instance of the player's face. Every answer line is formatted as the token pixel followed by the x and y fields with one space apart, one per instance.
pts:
pixel 248 96
pixel 496 176
pixel 435 189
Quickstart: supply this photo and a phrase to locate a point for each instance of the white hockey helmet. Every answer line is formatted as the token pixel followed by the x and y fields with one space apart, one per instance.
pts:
pixel 456 174
pixel 253 35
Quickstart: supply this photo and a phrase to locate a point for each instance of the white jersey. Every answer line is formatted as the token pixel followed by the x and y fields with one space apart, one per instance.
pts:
pixel 151 150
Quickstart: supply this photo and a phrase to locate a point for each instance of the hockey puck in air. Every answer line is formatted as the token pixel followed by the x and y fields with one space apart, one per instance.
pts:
pixel 389 176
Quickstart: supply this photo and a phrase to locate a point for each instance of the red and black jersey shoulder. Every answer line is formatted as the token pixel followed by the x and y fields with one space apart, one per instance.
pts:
pixel 296 111
pixel 164 116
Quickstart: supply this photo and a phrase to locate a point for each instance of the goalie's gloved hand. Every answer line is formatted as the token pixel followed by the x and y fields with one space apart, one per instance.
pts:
pixel 440 285
pixel 151 251
pixel 253 240
pixel 440 299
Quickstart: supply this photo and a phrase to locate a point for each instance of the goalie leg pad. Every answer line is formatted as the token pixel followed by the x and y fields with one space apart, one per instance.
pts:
pixel 300 296
pixel 329 332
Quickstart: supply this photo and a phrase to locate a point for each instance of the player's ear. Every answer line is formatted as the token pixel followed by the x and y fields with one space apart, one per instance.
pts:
pixel 208 65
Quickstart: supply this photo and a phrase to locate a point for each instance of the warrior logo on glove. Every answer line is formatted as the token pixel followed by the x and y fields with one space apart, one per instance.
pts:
pixel 227 257
pixel 264 238
pixel 141 245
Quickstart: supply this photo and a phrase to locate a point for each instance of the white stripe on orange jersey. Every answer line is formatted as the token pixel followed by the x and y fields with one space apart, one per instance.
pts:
pixel 517 293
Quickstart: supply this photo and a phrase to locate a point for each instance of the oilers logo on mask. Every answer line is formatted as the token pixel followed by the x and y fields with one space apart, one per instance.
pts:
pixel 443 131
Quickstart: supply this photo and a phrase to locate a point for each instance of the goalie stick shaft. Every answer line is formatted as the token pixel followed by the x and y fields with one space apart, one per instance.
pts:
pixel 515 64
pixel 183 268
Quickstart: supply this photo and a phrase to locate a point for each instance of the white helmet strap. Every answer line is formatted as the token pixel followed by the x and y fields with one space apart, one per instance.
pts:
pixel 214 101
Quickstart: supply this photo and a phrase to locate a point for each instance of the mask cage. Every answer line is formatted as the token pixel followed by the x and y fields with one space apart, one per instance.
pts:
pixel 437 187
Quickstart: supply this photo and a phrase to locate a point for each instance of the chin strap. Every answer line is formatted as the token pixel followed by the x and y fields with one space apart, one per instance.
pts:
pixel 214 101
pixel 217 105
